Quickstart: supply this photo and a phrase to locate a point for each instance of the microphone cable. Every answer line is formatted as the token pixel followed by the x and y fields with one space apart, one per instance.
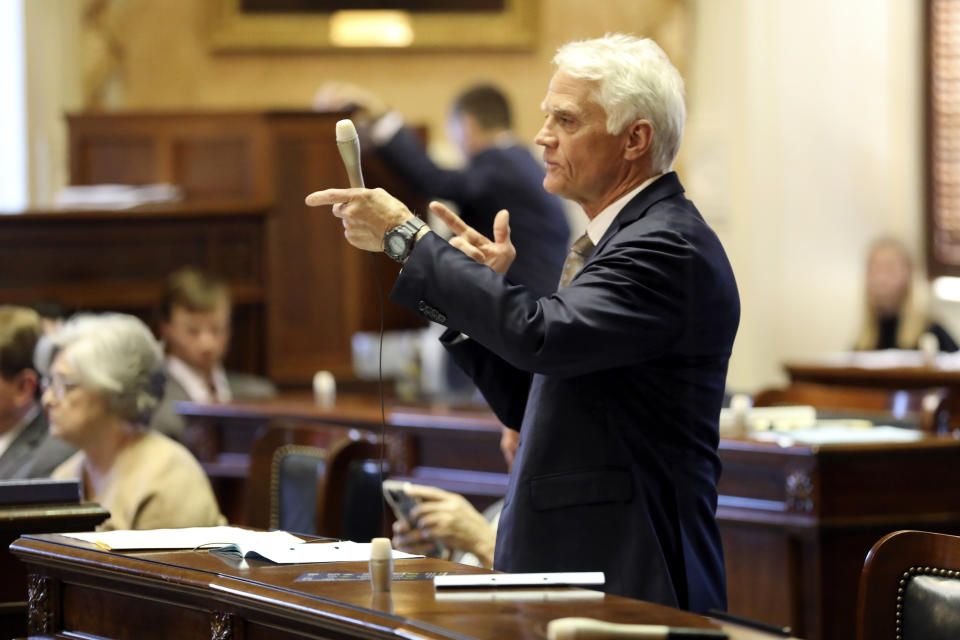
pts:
pixel 383 415
pixel 348 145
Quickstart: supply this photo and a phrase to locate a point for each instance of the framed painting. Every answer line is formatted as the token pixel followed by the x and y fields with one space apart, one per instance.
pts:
pixel 493 25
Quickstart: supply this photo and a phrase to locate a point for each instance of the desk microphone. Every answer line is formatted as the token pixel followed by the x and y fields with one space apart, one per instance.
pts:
pixel 348 142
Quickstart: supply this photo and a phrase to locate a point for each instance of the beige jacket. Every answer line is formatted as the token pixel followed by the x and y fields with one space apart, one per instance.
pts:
pixel 155 483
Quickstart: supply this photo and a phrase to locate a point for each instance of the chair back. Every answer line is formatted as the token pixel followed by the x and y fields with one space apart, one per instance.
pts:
pixel 925 409
pixel 315 479
pixel 910 588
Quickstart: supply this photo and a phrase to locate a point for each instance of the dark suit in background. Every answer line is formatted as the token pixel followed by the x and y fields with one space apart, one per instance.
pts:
pixel 496 178
pixel 34 453
pixel 166 420
pixel 615 383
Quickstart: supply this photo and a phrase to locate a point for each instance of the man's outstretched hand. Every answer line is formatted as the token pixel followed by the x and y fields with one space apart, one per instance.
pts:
pixel 367 214
pixel 498 254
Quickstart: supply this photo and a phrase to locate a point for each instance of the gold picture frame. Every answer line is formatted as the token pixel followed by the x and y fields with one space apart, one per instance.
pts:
pixel 511 29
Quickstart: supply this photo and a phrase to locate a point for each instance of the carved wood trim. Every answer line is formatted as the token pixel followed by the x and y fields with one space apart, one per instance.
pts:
pixel 222 626
pixel 41 605
pixel 800 491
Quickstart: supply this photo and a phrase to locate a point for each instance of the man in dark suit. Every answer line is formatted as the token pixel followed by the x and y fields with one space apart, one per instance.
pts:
pixel 27 450
pixel 195 312
pixel 500 174
pixel 615 381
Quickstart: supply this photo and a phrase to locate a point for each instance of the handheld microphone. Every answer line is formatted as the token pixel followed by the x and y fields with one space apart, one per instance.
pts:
pixel 348 142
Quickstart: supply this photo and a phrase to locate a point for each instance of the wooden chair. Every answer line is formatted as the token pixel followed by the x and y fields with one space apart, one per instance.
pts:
pixel 926 408
pixel 315 479
pixel 910 588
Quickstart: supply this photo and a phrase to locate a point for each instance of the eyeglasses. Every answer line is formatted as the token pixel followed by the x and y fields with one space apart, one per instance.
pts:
pixel 57 385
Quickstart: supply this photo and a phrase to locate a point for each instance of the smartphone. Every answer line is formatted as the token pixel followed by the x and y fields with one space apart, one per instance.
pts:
pixel 401 503
pixel 396 495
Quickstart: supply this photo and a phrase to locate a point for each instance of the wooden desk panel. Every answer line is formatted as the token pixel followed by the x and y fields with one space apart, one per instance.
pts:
pixel 118 260
pixel 19 520
pixel 798 521
pixel 78 588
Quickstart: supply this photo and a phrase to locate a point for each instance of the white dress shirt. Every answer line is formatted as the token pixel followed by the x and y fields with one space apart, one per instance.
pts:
pixel 602 221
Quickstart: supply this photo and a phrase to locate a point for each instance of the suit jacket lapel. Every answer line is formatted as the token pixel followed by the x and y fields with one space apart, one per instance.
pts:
pixel 23 445
pixel 665 186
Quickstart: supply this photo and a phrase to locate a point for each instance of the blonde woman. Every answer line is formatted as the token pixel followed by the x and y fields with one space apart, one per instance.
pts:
pixel 896 314
pixel 101 382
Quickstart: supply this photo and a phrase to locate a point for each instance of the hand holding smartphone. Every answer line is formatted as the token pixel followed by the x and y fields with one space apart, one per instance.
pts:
pixel 400 502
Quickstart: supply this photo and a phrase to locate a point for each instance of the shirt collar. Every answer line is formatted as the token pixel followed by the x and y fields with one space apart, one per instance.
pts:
pixel 602 221
pixel 194 383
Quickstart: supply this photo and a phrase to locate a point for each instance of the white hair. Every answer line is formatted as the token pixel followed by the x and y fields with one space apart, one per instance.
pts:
pixel 113 354
pixel 635 81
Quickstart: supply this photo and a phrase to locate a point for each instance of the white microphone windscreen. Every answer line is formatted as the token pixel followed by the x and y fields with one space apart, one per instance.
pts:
pixel 348 143
pixel 346 130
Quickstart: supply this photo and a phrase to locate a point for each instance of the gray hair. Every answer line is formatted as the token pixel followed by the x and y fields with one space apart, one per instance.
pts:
pixel 113 354
pixel 635 80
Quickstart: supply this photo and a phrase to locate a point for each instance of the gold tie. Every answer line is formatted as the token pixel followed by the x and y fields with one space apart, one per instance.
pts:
pixel 578 255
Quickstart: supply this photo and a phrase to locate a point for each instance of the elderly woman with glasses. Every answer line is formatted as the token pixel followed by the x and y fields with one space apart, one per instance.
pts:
pixel 102 381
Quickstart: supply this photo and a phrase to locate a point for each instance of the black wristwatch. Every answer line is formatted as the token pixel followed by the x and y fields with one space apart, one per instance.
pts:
pixel 398 242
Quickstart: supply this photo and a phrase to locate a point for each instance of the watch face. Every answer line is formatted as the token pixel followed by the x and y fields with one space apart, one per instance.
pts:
pixel 396 245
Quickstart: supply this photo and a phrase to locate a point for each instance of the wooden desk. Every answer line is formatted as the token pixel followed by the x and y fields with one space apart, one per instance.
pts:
pixel 838 372
pixel 17 520
pixel 797 521
pixel 425 444
pixel 78 588
pixel 827 372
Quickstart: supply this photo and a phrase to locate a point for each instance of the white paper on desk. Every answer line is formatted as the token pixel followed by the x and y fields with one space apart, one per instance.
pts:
pixel 344 551
pixel 780 418
pixel 841 435
pixel 187 538
pixel 116 196
pixel 889 359
pixel 526 595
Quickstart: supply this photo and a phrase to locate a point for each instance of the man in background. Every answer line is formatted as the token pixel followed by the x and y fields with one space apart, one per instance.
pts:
pixel 195 312
pixel 27 450
pixel 500 174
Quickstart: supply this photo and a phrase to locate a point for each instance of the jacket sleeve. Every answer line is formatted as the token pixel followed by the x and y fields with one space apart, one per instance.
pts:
pixel 503 386
pixel 405 156
pixel 626 306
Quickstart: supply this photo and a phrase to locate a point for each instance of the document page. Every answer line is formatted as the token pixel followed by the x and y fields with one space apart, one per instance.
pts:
pixel 188 538
pixel 276 546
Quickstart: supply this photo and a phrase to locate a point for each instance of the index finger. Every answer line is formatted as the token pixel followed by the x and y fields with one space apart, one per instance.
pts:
pixel 333 196
pixel 456 224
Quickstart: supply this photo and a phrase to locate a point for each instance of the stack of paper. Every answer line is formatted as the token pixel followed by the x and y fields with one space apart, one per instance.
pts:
pixel 276 546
